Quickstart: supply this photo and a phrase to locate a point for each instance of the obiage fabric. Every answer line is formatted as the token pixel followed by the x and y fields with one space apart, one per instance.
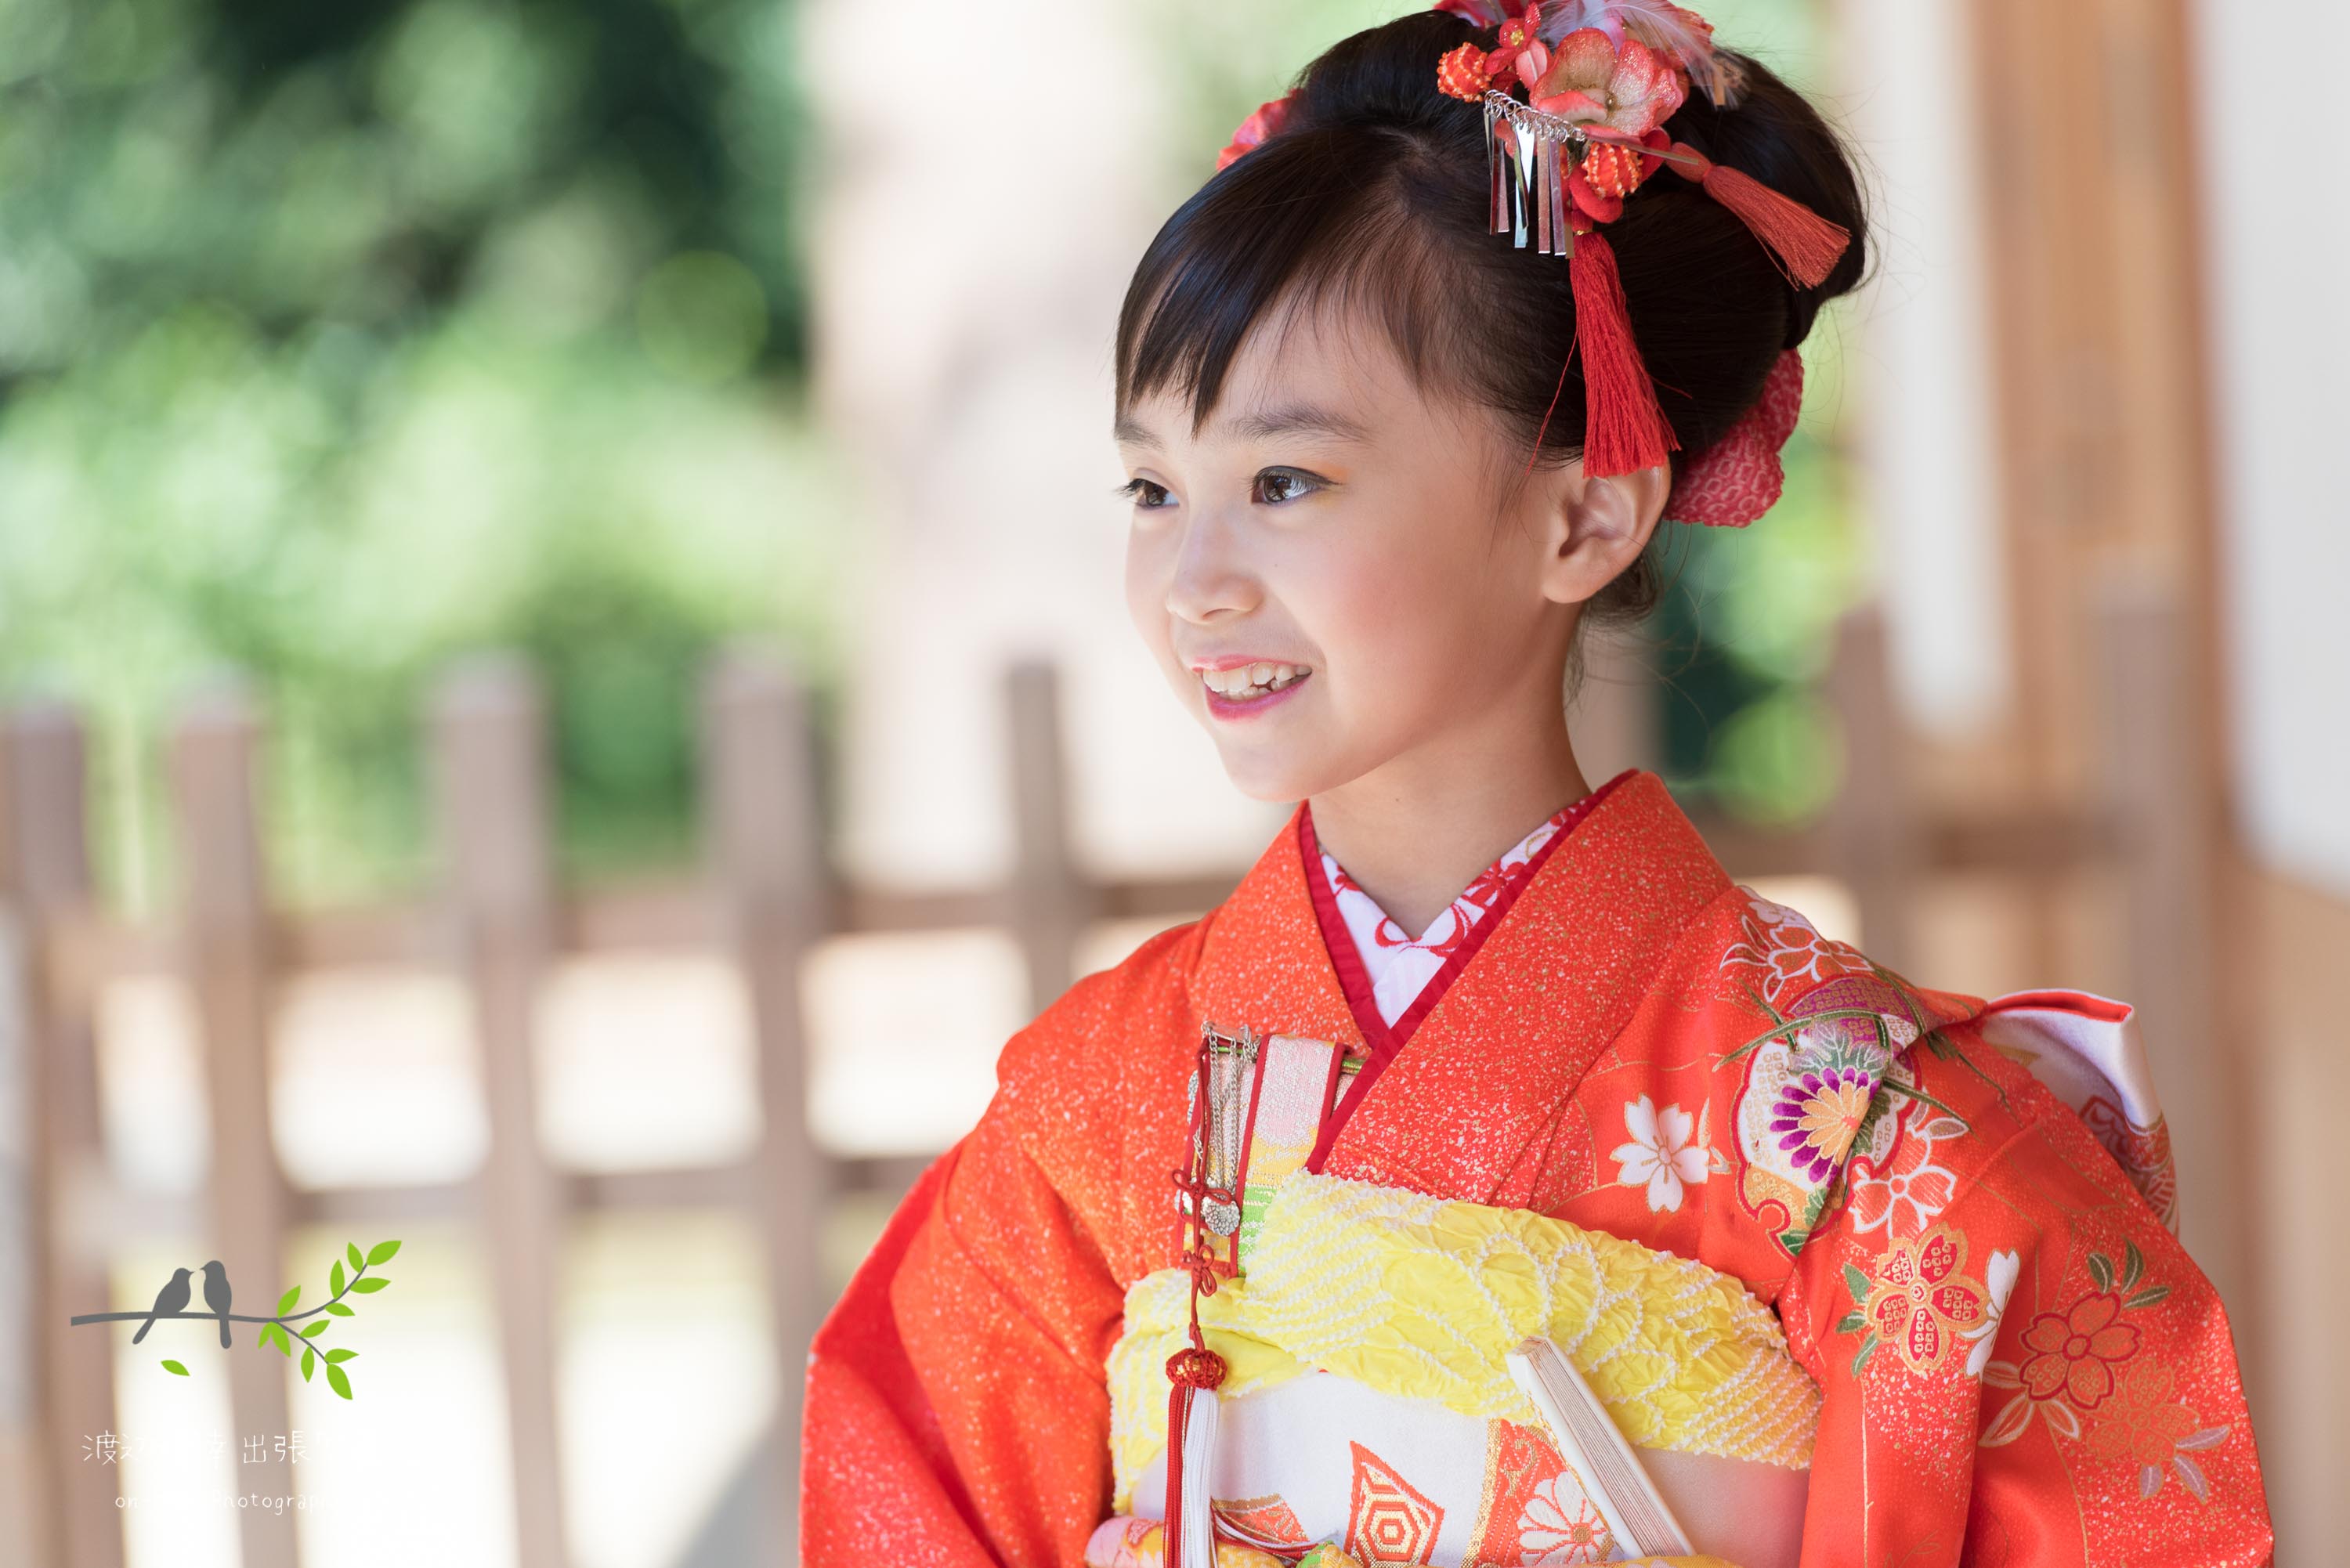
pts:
pixel 2017 1362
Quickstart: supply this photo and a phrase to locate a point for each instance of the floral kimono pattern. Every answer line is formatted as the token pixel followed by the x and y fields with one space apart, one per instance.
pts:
pixel 2016 1361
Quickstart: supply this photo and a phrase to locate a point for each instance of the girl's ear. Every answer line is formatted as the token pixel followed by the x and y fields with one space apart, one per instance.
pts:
pixel 1598 528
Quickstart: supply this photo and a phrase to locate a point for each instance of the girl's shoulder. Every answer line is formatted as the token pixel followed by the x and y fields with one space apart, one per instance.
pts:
pixel 1077 1088
pixel 1094 1027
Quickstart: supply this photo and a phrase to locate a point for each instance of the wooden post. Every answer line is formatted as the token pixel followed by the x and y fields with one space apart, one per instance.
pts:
pixel 764 861
pixel 490 799
pixel 23 1479
pixel 224 953
pixel 1052 903
pixel 2159 789
pixel 1874 838
pixel 70 1518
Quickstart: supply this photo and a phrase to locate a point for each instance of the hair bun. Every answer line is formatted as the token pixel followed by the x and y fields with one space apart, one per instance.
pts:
pixel 1773 136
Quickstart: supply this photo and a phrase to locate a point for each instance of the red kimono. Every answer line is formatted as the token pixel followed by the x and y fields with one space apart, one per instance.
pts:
pixel 2018 1363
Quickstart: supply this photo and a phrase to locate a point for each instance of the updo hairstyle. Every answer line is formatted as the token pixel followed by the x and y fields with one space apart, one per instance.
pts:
pixel 1374 195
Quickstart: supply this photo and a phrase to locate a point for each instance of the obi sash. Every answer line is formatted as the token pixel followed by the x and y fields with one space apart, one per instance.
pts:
pixel 1367 1397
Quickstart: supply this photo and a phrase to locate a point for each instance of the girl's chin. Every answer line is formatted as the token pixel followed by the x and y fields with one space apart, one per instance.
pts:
pixel 1274 778
pixel 1271 794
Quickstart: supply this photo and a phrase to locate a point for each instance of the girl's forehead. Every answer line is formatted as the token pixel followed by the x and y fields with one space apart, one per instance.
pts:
pixel 1296 373
pixel 1324 346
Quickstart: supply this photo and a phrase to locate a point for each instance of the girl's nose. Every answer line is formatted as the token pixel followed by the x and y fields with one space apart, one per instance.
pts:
pixel 1210 578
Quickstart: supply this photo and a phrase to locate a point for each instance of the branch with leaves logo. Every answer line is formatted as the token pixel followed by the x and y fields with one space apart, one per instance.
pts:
pixel 277 1327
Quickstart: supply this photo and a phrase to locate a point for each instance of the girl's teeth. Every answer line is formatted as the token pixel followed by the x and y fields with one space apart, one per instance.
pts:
pixel 1253 679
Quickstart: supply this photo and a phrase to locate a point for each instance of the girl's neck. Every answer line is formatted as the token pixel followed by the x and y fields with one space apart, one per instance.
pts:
pixel 1415 832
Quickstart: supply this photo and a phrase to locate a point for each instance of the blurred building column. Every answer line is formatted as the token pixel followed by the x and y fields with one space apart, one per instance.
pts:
pixel 1922 380
pixel 2276 248
pixel 969 264
pixel 2047 348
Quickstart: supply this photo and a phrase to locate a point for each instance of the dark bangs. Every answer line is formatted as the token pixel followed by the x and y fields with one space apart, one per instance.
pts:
pixel 1298 225
pixel 1371 198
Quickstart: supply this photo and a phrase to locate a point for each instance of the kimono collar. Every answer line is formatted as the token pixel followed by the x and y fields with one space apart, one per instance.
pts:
pixel 1262 961
pixel 1555 981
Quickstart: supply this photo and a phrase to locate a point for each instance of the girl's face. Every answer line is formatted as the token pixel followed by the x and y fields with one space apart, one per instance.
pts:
pixel 1323 574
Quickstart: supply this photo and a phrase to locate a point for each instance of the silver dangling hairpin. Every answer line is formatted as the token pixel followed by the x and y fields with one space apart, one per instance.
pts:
pixel 1525 163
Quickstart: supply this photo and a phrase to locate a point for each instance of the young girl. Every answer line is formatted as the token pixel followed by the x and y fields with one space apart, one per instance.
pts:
pixel 1233 1267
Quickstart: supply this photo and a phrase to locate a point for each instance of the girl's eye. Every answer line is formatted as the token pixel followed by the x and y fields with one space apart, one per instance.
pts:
pixel 1274 486
pixel 1278 485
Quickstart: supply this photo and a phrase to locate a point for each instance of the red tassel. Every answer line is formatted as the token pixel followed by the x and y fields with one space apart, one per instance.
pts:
pixel 1624 430
pixel 1193 1369
pixel 1806 244
pixel 1178 1401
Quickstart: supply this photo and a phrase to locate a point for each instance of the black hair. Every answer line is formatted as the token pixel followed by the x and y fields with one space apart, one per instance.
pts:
pixel 1374 194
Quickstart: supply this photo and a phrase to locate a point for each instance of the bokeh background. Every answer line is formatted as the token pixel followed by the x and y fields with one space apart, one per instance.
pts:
pixel 566 685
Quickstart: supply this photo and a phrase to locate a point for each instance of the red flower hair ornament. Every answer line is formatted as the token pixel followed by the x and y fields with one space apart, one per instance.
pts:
pixel 1257 128
pixel 1601 77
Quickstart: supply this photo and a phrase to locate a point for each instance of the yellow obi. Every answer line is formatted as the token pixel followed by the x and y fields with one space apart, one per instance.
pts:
pixel 1423 1298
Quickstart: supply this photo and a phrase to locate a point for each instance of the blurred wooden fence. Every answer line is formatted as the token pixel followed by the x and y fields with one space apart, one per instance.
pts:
pixel 764 893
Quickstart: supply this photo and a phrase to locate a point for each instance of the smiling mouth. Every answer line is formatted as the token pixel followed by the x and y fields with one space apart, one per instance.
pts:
pixel 1244 682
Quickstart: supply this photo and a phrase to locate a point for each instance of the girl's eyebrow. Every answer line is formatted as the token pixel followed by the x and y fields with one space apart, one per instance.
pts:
pixel 1286 419
pixel 1293 418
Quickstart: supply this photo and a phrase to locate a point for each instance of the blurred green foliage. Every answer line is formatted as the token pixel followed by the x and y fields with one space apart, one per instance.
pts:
pixel 1742 639
pixel 338 340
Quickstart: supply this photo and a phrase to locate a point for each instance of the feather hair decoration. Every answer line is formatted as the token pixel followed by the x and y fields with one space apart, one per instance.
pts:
pixel 1476 12
pixel 1686 36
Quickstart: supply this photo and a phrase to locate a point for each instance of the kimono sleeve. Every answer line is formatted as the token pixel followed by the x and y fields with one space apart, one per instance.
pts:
pixel 958 1409
pixel 2019 1363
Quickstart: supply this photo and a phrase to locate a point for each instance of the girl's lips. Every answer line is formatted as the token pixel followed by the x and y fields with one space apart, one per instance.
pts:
pixel 1222 707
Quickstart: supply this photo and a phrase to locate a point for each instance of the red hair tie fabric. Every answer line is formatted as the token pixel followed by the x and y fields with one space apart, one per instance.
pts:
pixel 1257 128
pixel 1738 478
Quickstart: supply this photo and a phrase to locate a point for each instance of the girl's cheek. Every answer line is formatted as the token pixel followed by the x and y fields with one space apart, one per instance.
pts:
pixel 1148 562
pixel 1146 597
pixel 1369 607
